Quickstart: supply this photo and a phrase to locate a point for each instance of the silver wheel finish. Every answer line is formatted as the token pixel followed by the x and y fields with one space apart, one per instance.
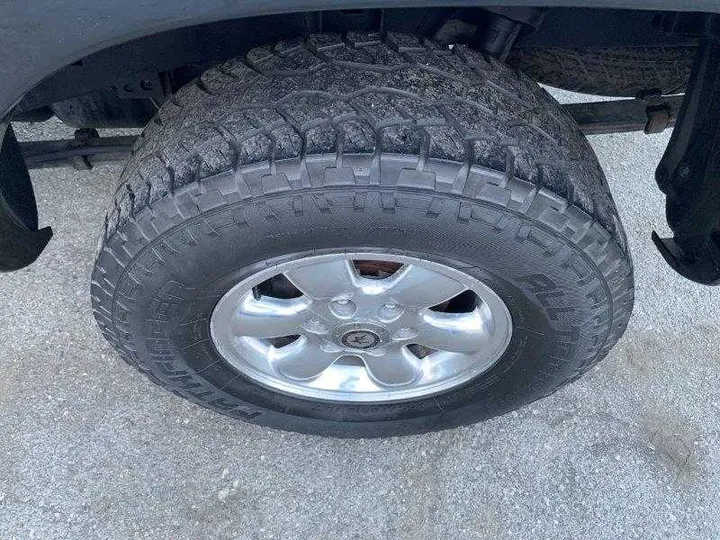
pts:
pixel 355 333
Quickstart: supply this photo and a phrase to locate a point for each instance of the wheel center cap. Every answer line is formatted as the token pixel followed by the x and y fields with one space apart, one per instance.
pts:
pixel 360 339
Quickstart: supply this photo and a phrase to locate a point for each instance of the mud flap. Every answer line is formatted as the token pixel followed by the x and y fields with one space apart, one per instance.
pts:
pixel 20 240
pixel 689 172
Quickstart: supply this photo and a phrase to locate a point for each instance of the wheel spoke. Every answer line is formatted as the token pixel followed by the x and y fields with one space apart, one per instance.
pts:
pixel 415 286
pixel 269 317
pixel 454 332
pixel 396 367
pixel 303 359
pixel 324 280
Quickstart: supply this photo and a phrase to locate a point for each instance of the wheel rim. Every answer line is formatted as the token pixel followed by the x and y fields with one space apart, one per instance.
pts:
pixel 361 327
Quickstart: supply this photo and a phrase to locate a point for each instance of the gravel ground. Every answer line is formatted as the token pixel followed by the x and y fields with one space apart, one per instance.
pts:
pixel 91 449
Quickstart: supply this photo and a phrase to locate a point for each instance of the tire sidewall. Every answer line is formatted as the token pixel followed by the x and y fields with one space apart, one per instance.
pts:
pixel 559 302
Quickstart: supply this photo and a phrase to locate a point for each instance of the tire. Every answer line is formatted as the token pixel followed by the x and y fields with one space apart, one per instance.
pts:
pixel 620 71
pixel 384 145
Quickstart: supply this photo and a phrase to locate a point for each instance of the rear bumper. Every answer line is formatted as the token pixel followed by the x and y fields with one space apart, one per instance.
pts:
pixel 20 240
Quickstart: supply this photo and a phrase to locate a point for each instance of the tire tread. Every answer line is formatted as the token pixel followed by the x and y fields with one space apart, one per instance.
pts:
pixel 255 129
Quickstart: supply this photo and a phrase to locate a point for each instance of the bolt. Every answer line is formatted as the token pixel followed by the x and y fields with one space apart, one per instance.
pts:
pixel 330 347
pixel 404 333
pixel 390 311
pixel 343 308
pixel 316 326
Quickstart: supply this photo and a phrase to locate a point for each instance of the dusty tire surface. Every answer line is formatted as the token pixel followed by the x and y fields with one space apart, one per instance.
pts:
pixel 621 71
pixel 364 142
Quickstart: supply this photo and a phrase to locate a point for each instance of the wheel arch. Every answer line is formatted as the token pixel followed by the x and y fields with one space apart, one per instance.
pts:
pixel 53 34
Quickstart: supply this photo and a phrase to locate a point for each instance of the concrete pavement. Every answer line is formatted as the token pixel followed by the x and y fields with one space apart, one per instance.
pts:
pixel 90 449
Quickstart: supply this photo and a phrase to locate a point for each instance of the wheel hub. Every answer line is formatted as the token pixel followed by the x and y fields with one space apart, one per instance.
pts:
pixel 361 339
pixel 411 329
pixel 363 335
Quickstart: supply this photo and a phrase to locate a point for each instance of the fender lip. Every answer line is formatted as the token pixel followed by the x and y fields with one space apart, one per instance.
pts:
pixel 20 241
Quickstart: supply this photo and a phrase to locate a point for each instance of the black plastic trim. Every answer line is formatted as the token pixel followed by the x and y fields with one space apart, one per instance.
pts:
pixel 20 241
pixel 689 172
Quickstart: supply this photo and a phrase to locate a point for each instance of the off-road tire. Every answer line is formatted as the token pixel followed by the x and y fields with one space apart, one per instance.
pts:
pixel 374 143
pixel 618 71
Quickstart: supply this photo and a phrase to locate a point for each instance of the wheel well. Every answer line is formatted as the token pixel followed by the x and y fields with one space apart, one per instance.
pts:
pixel 155 66
pixel 121 86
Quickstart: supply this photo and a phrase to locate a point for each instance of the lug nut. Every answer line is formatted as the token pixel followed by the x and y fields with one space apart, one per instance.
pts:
pixel 343 308
pixel 315 326
pixel 389 312
pixel 404 333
